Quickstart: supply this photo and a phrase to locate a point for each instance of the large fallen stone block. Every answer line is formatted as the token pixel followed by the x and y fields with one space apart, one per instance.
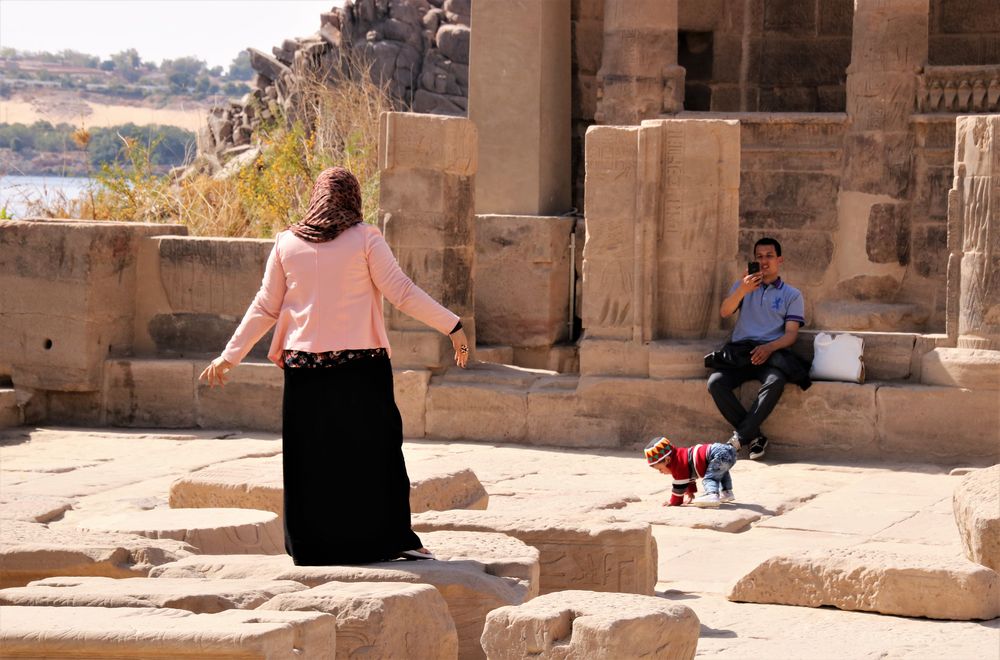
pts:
pixel 194 595
pixel 499 554
pixel 30 551
pixel 380 619
pixel 210 531
pixel 584 624
pixel 471 593
pixel 583 553
pixel 255 483
pixel 932 586
pixel 142 632
pixel 977 513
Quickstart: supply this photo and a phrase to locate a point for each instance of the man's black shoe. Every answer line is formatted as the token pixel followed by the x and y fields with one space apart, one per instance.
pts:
pixel 758 448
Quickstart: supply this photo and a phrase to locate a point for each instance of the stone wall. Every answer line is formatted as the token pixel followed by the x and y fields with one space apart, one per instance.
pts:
pixel 964 32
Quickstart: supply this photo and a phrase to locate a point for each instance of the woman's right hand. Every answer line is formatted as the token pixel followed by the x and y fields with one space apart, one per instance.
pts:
pixel 461 345
pixel 215 372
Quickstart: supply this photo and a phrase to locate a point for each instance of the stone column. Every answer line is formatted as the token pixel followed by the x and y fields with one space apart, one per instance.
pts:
pixel 519 100
pixel 890 43
pixel 428 166
pixel 662 236
pixel 974 235
pixel 639 77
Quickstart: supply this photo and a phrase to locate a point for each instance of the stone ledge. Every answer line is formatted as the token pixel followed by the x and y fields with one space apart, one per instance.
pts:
pixel 193 595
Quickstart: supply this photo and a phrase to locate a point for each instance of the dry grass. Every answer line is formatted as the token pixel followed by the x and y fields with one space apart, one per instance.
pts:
pixel 334 121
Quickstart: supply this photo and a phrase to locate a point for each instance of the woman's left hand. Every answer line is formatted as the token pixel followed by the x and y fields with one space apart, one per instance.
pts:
pixel 461 345
pixel 215 372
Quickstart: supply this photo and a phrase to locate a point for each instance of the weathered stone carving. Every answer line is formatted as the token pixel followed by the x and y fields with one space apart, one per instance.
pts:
pixel 973 223
pixel 662 228
pixel 959 89
pixel 639 77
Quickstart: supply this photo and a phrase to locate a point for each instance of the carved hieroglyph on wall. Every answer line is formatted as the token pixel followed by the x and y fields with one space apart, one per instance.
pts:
pixel 973 226
pixel 662 227
pixel 639 77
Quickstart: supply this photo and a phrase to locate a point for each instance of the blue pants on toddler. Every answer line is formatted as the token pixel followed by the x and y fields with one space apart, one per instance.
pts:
pixel 721 458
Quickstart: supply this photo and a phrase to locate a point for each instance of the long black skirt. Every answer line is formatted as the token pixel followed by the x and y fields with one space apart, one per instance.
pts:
pixel 347 494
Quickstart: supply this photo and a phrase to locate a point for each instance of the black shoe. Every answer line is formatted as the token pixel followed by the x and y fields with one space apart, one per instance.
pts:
pixel 758 448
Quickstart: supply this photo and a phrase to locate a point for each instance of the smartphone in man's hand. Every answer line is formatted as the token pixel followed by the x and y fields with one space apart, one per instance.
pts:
pixel 753 267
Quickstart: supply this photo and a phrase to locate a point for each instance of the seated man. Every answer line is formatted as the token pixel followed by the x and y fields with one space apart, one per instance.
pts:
pixel 770 314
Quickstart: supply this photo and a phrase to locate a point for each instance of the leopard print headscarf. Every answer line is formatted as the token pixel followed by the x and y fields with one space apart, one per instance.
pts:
pixel 335 205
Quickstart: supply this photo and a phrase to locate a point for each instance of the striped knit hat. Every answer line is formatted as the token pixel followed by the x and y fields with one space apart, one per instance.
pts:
pixel 657 450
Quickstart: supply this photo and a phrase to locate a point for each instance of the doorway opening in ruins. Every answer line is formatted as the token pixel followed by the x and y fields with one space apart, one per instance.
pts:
pixel 695 54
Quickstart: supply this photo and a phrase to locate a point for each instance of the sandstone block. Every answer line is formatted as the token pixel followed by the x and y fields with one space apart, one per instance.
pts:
pixel 584 624
pixel 249 483
pixel 210 531
pixel 946 424
pixel 10 414
pixel 139 632
pixel 468 589
pixel 150 393
pixel 380 619
pixel 932 586
pixel 410 390
pixel 422 142
pixel 608 357
pixel 574 554
pixel 179 308
pixel 193 595
pixel 30 551
pixel 250 400
pixel 67 295
pixel 256 483
pixel 476 412
pixel 419 349
pixel 555 419
pixel 680 358
pixel 534 252
pixel 977 512
pixel 434 489
pixel 523 113
pixel 501 555
pixel 961 367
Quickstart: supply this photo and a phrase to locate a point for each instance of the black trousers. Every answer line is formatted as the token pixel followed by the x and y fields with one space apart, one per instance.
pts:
pixel 745 422
pixel 347 494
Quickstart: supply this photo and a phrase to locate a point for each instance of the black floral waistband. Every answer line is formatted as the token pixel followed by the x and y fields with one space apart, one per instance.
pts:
pixel 304 360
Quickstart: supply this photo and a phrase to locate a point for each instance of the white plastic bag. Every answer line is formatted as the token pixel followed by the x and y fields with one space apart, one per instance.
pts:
pixel 838 358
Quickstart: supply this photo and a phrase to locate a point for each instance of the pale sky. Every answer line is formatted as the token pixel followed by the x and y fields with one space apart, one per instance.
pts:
pixel 211 30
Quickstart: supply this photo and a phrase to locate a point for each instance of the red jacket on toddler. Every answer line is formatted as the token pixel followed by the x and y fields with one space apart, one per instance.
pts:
pixel 687 465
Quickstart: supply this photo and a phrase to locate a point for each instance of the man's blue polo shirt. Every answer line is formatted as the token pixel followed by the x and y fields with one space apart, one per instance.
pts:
pixel 764 311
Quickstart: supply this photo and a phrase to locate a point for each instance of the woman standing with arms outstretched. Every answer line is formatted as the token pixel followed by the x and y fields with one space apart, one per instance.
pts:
pixel 346 488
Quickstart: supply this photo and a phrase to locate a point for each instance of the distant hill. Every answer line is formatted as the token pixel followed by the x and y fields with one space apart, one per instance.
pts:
pixel 74 107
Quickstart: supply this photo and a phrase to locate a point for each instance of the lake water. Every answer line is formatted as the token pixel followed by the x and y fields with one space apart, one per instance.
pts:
pixel 17 191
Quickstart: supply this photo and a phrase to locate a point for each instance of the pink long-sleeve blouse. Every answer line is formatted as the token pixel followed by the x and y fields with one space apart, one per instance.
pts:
pixel 328 296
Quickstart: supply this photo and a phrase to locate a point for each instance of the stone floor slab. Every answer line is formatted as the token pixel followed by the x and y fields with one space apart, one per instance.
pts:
pixel 138 632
